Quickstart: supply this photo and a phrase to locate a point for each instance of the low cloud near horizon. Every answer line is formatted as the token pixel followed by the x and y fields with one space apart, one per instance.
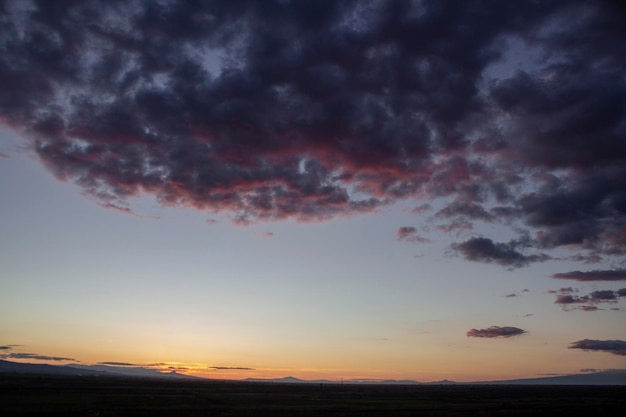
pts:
pixel 35 356
pixel 616 347
pixel 313 110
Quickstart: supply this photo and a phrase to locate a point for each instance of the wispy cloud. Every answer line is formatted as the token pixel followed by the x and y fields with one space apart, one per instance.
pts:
pixel 616 347
pixel 35 356
pixel 495 331
pixel 118 364
pixel 121 209
pixel 230 368
pixel 7 347
pixel 410 234
pixel 596 275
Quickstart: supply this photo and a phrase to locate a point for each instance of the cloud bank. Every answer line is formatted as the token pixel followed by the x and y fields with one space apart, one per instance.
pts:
pixel 310 110
pixel 495 331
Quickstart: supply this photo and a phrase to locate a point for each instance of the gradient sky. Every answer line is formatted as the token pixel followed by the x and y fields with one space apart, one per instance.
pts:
pixel 416 190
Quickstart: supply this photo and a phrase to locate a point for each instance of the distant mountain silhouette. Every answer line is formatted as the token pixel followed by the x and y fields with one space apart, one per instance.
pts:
pixel 610 377
pixel 614 377
pixel 40 369
pixel 86 370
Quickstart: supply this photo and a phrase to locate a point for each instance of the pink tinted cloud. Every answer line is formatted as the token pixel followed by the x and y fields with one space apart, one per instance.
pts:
pixel 409 234
pixel 121 209
pixel 339 125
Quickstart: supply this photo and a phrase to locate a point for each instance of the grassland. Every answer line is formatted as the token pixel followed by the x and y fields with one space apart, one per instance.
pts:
pixel 29 395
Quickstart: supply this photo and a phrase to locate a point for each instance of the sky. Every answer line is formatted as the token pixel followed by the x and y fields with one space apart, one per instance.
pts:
pixel 418 190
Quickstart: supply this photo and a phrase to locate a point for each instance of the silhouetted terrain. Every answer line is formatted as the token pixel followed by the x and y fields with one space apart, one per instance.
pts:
pixel 610 377
pixel 46 395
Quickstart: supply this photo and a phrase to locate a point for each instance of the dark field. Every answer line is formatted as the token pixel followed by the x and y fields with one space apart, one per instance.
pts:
pixel 103 396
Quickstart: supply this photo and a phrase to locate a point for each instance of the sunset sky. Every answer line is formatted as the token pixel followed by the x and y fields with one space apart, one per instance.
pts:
pixel 418 190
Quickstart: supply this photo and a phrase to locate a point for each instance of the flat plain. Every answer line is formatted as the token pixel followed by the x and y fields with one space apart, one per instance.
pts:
pixel 45 395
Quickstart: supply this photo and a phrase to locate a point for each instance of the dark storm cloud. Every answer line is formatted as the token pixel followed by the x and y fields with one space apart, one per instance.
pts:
pixel 34 356
pixel 409 234
pixel 616 347
pixel 598 275
pixel 495 331
pixel 314 109
pixel 481 249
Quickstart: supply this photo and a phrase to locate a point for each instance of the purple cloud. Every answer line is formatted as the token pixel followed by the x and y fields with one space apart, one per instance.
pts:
pixel 495 331
pixel 597 275
pixel 616 347
pixel 314 110
pixel 570 299
pixel 480 249
pixel 409 234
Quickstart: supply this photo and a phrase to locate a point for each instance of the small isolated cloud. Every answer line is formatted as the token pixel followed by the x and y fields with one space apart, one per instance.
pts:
pixel 480 249
pixel 616 347
pixel 230 368
pixel 268 234
pixel 3 155
pixel 7 347
pixel 597 275
pixel 588 308
pixel 117 364
pixel 210 221
pixel 603 295
pixel 35 357
pixel 495 331
pixel 511 295
pixel 121 209
pixel 178 368
pixel 409 234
